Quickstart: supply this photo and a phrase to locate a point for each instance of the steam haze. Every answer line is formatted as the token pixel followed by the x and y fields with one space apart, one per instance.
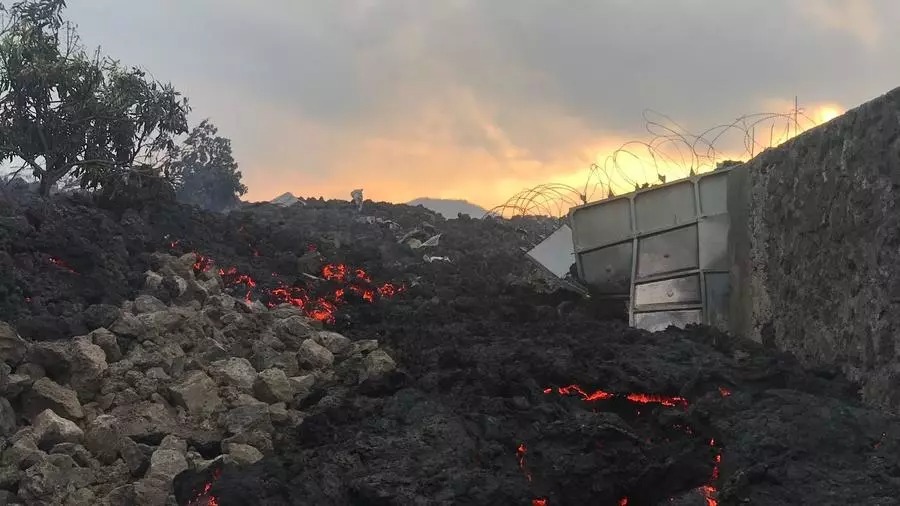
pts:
pixel 478 99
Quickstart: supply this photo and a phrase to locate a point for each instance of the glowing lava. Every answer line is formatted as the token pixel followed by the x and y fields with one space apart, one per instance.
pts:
pixel 657 399
pixel 322 308
pixel 601 395
pixel 521 450
pixel 202 263
pixel 710 491
pixel 205 497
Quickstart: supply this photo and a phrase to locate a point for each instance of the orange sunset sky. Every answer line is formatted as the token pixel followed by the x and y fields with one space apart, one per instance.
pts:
pixel 477 99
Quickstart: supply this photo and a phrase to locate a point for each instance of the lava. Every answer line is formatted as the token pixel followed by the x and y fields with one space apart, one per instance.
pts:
pixel 231 277
pixel 638 398
pixel 709 490
pixel 322 308
pixel 205 497
pixel 657 399
pixel 521 450
pixel 59 263
pixel 335 272
pixel 202 263
pixel 388 290
pixel 597 395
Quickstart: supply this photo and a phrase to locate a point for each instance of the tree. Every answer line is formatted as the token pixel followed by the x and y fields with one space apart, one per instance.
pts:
pixel 64 112
pixel 205 170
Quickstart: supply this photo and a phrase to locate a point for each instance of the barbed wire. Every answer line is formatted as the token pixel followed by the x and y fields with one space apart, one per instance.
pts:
pixel 671 153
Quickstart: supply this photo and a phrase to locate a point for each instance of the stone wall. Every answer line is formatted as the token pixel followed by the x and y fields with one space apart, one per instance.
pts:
pixel 818 264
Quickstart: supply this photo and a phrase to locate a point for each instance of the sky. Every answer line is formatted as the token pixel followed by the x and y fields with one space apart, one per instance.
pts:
pixel 479 99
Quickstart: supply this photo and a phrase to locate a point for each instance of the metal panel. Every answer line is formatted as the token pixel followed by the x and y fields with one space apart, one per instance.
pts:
pixel 660 320
pixel 665 207
pixel 608 270
pixel 718 292
pixel 677 241
pixel 713 232
pixel 556 252
pixel 670 251
pixel 714 193
pixel 603 223
pixel 681 290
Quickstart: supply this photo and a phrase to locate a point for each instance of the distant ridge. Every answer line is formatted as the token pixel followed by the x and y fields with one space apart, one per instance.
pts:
pixel 449 208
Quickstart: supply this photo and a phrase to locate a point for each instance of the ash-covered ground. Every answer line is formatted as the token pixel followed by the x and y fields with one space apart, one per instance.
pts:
pixel 504 392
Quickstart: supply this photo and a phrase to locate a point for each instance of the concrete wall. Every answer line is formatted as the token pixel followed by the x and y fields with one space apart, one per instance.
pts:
pixel 818 265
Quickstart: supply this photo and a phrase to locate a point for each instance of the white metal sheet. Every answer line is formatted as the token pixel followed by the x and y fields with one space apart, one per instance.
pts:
pixel 665 207
pixel 602 223
pixel 683 290
pixel 675 250
pixel 713 190
pixel 608 270
pixel 556 253
pixel 713 232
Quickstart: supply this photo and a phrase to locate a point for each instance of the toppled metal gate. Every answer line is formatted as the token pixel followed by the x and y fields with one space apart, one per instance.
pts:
pixel 664 248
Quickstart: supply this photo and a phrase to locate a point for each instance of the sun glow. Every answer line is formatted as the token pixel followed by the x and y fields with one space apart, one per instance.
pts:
pixel 827 113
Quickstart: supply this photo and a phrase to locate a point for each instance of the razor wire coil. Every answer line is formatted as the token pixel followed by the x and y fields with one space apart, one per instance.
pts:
pixel 671 153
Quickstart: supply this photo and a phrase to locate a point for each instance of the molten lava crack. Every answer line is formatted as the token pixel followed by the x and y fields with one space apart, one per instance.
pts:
pixel 600 395
pixel 205 496
pixel 709 490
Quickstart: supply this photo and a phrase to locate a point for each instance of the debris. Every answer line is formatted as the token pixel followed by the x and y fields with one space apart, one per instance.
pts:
pixel 555 255
pixel 373 220
pixel 431 242
pixel 411 235
pixel 429 259
pixel 414 239
pixel 286 199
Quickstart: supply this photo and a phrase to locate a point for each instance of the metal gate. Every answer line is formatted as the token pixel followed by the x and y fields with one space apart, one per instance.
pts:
pixel 664 248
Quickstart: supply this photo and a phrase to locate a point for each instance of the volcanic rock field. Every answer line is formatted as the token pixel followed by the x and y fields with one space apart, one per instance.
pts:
pixel 317 354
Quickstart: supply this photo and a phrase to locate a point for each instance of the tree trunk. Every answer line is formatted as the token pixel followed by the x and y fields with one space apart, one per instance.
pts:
pixel 48 182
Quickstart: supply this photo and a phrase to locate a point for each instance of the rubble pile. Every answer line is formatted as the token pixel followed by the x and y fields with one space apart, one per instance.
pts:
pixel 111 417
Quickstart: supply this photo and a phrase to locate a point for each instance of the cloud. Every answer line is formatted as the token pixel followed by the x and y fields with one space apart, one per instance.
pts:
pixel 475 99
pixel 860 18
